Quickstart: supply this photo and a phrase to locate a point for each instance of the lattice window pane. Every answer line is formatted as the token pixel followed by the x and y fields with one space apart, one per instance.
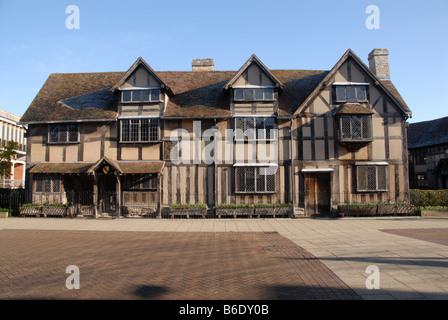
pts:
pixel 362 178
pixel 124 130
pixel 56 183
pixel 240 179
pixel 145 95
pixel 126 96
pixel 239 128
pixel 249 128
pixel 134 129
pixel 382 178
pixel 155 95
pixel 260 127
pixel 73 132
pixel 366 127
pixel 250 179
pixel 136 95
pixel 249 94
pixel 154 130
pixel 270 128
pixel 270 179
pixel 356 128
pixel 268 94
pixel 238 94
pixel 361 93
pixel 258 94
pixel 341 93
pixel 261 179
pixel 54 133
pixel 351 93
pixel 144 128
pixel 346 128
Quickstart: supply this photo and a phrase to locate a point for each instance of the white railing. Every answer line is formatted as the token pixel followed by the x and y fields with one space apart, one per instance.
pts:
pixel 12 184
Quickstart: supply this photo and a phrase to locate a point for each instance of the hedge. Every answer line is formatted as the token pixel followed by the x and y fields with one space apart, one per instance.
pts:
pixel 429 198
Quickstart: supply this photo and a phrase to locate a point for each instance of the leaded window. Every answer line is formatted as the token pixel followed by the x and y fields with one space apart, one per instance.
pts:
pixel 141 181
pixel 139 95
pixel 253 94
pixel 48 183
pixel 355 128
pixel 371 178
pixel 139 130
pixel 63 133
pixel 255 179
pixel 351 93
pixel 255 128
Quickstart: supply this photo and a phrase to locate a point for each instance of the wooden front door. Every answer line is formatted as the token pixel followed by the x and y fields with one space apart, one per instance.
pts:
pixel 317 194
pixel 107 194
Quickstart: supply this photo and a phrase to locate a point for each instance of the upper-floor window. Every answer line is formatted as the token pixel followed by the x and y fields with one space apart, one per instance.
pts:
pixel 355 128
pixel 253 94
pixel 145 95
pixel 351 93
pixel 139 130
pixel 63 133
pixel 255 128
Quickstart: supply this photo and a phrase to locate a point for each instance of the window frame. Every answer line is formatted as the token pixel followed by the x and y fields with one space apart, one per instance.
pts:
pixel 150 95
pixel 355 85
pixel 130 182
pixel 254 94
pixel 68 133
pixel 48 178
pixel 352 118
pixel 254 129
pixel 152 126
pixel 377 187
pixel 256 177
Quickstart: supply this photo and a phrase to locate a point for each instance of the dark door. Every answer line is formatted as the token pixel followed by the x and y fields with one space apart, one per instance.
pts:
pixel 317 194
pixel 107 193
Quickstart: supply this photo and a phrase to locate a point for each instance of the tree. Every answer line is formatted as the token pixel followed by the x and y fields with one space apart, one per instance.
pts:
pixel 6 156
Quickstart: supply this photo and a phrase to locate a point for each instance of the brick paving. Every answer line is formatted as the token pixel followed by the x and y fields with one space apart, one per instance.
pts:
pixel 163 266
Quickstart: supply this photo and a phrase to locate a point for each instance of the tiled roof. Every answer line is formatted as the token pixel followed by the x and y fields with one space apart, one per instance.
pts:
pixel 86 96
pixel 61 167
pixel 354 108
pixel 124 167
pixel 428 133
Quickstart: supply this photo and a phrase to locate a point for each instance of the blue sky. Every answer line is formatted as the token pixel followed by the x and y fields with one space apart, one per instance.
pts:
pixel 284 34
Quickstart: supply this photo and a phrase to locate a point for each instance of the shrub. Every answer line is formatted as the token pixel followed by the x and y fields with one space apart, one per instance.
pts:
pixel 270 205
pixel 188 205
pixel 4 210
pixel 429 198
pixel 241 205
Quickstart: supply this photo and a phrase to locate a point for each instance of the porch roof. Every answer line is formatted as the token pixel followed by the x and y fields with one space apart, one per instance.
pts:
pixel 123 167
pixel 61 167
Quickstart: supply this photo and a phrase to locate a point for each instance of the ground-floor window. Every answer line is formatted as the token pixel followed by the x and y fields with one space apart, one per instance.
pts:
pixel 255 179
pixel 50 183
pixel 371 178
pixel 140 181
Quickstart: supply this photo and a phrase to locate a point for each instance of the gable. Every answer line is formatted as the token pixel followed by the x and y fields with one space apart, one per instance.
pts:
pixel 141 78
pixel 253 76
pixel 351 70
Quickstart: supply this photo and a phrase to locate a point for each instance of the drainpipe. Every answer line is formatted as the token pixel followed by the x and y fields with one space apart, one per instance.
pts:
pixel 292 167
pixel 216 167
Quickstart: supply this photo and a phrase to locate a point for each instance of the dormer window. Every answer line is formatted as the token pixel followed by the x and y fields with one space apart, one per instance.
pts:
pixel 253 94
pixel 140 95
pixel 351 93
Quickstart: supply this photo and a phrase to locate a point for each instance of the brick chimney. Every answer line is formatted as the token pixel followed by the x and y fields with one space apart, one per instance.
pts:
pixel 379 63
pixel 203 65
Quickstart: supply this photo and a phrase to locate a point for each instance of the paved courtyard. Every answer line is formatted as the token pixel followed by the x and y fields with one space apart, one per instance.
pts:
pixel 224 259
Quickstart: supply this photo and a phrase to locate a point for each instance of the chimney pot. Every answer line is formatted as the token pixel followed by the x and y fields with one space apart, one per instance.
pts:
pixel 203 65
pixel 379 63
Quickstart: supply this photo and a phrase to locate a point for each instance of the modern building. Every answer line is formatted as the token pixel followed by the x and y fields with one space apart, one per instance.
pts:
pixel 146 139
pixel 10 129
pixel 428 154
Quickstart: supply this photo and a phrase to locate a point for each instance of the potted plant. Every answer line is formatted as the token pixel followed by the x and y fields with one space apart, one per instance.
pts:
pixel 55 209
pixel 4 213
pixel 234 210
pixel 273 210
pixel 30 209
pixel 187 210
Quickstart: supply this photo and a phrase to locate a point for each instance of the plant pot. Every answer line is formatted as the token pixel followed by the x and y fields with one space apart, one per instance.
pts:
pixel 234 212
pixel 54 211
pixel 273 212
pixel 357 211
pixel 4 214
pixel 30 211
pixel 187 212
